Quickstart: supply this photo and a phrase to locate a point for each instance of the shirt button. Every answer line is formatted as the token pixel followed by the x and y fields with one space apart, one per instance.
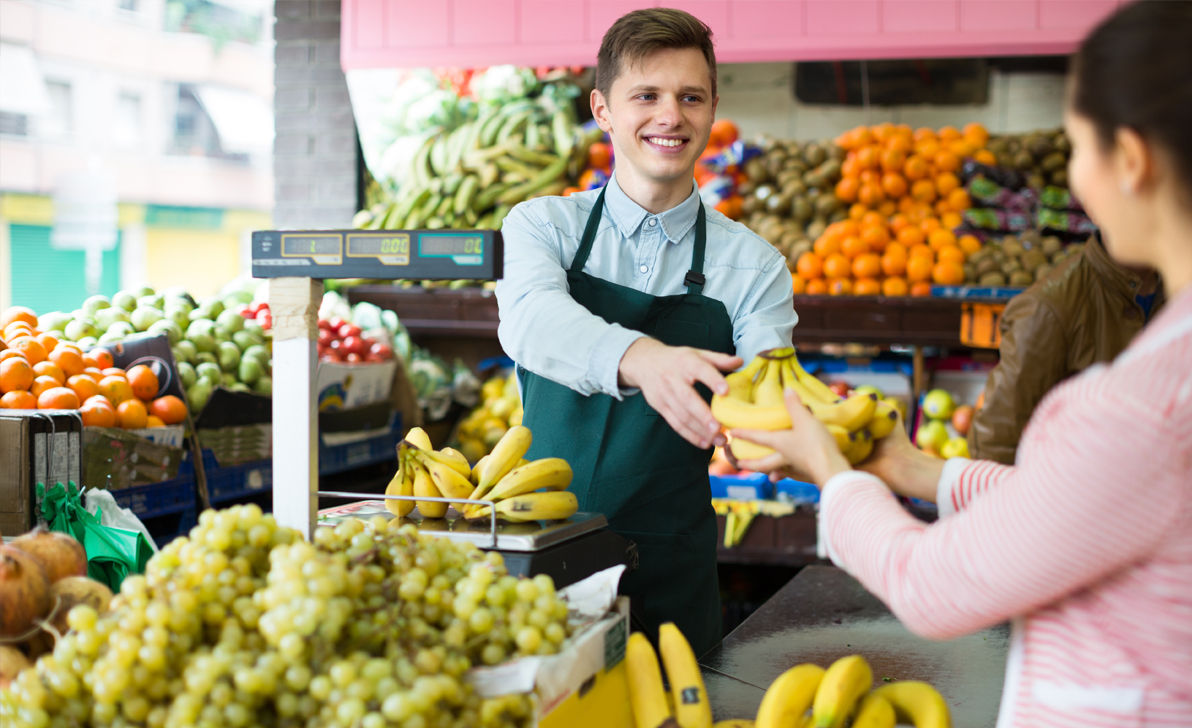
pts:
pixel 644 269
pixel 652 223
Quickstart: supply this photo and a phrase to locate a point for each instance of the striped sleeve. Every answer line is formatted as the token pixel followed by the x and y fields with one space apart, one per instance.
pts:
pixel 962 480
pixel 1036 537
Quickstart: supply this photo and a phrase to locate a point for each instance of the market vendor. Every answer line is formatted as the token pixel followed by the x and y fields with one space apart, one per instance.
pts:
pixel 623 306
pixel 1085 543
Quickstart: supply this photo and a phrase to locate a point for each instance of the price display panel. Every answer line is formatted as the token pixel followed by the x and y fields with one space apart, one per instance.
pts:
pixel 382 254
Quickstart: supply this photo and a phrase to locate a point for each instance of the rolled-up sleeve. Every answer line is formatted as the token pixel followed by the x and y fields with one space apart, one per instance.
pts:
pixel 541 326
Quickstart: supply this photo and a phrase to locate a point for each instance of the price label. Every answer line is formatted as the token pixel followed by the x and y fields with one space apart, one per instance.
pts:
pixel 980 325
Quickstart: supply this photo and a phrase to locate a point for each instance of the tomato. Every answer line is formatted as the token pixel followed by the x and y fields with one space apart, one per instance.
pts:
pixel 354 345
pixel 353 358
pixel 325 337
pixel 347 329
pixel 381 351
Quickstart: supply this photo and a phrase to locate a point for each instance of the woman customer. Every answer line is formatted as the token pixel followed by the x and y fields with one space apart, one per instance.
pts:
pixel 1086 542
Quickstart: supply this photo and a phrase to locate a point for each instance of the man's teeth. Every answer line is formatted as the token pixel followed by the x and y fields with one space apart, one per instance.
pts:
pixel 665 142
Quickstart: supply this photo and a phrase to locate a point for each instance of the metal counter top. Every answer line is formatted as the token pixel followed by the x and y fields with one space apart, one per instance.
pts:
pixel 823 614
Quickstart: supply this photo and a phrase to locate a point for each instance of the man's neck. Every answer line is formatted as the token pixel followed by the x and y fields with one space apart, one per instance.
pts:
pixel 653 197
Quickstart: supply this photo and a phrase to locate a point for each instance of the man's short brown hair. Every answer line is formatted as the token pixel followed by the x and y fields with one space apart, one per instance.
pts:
pixel 639 33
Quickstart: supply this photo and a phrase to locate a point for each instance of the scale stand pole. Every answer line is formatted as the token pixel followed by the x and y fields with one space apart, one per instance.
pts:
pixel 295 306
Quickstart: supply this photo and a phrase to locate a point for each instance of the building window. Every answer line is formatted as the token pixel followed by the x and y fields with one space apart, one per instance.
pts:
pixel 128 128
pixel 130 5
pixel 14 124
pixel 59 122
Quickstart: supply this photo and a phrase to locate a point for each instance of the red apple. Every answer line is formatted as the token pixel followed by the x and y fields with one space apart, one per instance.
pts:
pixel 962 419
pixel 840 387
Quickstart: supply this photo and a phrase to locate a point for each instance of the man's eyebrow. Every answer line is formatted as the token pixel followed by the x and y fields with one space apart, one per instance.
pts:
pixel 643 88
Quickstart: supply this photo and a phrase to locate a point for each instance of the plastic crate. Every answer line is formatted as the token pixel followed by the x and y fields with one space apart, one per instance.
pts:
pixel 369 450
pixel 156 499
pixel 748 486
pixel 236 481
pixel 796 491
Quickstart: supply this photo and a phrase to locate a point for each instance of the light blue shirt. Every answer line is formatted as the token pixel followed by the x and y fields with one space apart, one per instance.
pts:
pixel 549 333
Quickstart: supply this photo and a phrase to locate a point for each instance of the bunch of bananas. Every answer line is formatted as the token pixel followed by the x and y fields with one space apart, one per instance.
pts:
pixel 686 705
pixel 739 514
pixel 523 490
pixel 755 401
pixel 470 176
pixel 845 691
pixel 499 409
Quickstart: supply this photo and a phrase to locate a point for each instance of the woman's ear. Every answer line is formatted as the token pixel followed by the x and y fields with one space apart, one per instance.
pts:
pixel 1134 163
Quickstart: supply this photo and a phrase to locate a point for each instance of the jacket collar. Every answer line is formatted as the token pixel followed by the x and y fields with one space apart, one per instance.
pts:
pixel 1110 271
pixel 629 216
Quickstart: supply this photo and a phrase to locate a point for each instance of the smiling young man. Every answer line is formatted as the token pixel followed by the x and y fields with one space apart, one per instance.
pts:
pixel 623 306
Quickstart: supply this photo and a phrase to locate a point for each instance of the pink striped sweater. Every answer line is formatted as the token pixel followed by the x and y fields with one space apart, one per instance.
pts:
pixel 1085 544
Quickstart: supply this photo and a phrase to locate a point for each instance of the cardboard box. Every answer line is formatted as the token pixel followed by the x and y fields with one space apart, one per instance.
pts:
pixel 36 446
pixel 116 459
pixel 349 386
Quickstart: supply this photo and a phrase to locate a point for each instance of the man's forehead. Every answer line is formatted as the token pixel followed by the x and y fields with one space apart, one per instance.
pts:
pixel 654 64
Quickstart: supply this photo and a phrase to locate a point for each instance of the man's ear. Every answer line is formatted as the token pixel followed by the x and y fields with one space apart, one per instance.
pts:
pixel 600 111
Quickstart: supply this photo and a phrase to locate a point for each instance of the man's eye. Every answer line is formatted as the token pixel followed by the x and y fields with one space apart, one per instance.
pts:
pixel 646 97
pixel 692 99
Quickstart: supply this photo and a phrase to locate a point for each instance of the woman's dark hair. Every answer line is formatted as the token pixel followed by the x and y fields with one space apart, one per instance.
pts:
pixel 1134 70
pixel 639 33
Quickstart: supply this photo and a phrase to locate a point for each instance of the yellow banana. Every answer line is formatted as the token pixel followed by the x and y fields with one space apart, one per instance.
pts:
pixel 745 450
pixel 733 723
pixel 768 390
pixel 418 438
pixel 740 385
pixel 692 709
pixel 447 479
pixel 815 387
pixel 884 418
pixel 647 697
pixel 474 476
pixel 851 413
pixel 789 697
pixel 875 712
pixel 456 460
pixel 508 450
pixel 739 413
pixel 550 505
pixel 917 703
pixel 844 682
pixel 549 473
pixel 424 485
pixel 840 435
pixel 401 484
pixel 859 447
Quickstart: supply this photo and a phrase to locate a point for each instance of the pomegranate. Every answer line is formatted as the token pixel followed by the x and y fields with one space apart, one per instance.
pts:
pixel 66 594
pixel 12 661
pixel 24 592
pixel 58 553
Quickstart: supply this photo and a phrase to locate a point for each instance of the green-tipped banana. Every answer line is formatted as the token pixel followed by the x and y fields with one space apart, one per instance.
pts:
pixel 875 712
pixel 508 450
pixel 789 697
pixel 424 487
pixel 917 703
pixel 550 505
pixel 449 482
pixel 845 681
pixel 548 473
pixel 885 417
pixel 692 709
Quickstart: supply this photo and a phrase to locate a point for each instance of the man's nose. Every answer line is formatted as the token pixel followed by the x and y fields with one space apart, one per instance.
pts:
pixel 668 111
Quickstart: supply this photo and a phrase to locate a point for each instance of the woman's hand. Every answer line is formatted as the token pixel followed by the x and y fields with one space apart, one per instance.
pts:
pixel 807 450
pixel 904 468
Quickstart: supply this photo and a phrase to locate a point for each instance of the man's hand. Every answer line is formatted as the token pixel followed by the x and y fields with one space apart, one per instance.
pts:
pixel 666 375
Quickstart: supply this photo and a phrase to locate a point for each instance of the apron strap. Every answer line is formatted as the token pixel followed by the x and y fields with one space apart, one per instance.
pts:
pixel 695 277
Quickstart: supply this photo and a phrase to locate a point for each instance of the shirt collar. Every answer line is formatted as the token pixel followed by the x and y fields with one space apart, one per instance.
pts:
pixel 629 216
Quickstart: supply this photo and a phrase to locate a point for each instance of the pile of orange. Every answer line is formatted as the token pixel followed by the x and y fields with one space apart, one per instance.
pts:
pixel 38 371
pixel 905 202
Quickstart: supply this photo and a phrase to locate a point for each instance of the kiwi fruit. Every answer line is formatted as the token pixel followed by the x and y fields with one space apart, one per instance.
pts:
pixel 814 154
pixel 1051 245
pixel 994 278
pixel 1021 279
pixel 985 265
pixel 756 170
pixel 1052 162
pixel 801 209
pixel 816 228
pixel 1012 246
pixel 1032 259
pixel 779 204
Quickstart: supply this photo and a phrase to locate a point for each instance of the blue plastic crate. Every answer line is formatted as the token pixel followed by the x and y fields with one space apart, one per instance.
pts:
pixel 156 499
pixel 236 481
pixel 750 486
pixel 348 456
pixel 796 491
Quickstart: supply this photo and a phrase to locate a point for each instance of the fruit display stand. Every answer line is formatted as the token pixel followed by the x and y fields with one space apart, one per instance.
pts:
pixel 823 614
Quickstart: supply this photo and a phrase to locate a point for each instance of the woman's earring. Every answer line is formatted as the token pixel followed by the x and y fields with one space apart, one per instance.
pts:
pixel 1127 188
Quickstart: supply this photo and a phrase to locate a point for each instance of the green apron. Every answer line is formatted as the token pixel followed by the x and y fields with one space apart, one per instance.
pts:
pixel 629 464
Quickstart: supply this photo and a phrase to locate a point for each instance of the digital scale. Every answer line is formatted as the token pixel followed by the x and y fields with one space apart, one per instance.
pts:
pixel 297 261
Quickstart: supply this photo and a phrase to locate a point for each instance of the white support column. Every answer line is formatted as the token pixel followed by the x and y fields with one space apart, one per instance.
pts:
pixel 295 306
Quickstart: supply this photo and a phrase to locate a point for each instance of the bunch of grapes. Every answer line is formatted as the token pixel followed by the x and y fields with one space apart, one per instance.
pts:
pixel 245 624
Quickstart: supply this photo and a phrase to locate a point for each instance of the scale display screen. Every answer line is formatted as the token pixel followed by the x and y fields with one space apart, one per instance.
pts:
pixel 381 254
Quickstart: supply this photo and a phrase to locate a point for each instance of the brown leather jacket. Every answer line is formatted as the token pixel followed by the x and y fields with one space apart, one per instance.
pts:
pixel 1082 313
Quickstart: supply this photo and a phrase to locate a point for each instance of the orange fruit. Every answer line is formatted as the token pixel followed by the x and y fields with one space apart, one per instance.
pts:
pixel 99 357
pixel 893 159
pixel 143 381
pixel 48 340
pixel 976 133
pixel 946 161
pixel 18 328
pixel 897 223
pixel 923 133
pixel 68 357
pixel 827 244
pixel 871 219
pixel 984 156
pixel 84 386
pixel 945 182
pixel 856 211
pixel 848 227
pixel 869 157
pixel 916 168
pixel 927 149
pixel 847 188
pixel 894 185
pixel 837 266
pixel 852 247
pixel 876 238
pixel 893 265
pixel 921 251
pixel 15 374
pixel 923 190
pixel 969 243
pixel 897 249
pixel 942 208
pixel 941 237
pixel 894 286
pixel 42 383
pixel 18 313
pixel 115 389
pixel 49 369
pixel 911 236
pixel 950 254
pixel 9 354
pixel 154 421
pixel 58 398
pixel 867 287
pixel 887 208
pixel 29 347
pixel 921 288
pixel 817 287
pixel 871 194
pixel 918 269
pixel 170 409
pixel 809 265
pixel 959 199
pixel 962 148
pixel 724 131
pixel 948 273
pixel 868 265
pixel 798 283
pixel 929 223
pixel 840 287
pixel 131 414
pixel 870 177
pixel 97 412
pixel 951 219
pixel 18 399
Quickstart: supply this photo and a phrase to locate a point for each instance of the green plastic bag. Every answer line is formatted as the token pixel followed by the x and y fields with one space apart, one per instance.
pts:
pixel 112 553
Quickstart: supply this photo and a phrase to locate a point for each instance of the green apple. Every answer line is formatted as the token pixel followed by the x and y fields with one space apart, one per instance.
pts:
pixel 153 300
pixel 184 350
pixel 255 327
pixel 186 373
pixel 938 404
pixel 77 328
pixel 877 393
pixel 201 334
pixel 229 356
pixel 228 379
pixel 126 300
pixel 931 435
pixel 245 339
pixel 210 372
pixel 179 294
pixel 145 290
pixel 87 342
pixel 105 317
pixel 250 370
pixel 179 314
pixel 258 352
pixel 955 447
pixel 238 387
pixel 165 326
pixel 120 329
pixel 143 317
pixel 198 394
pixel 205 357
pixel 53 321
pixel 264 386
pixel 230 321
pixel 95 303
